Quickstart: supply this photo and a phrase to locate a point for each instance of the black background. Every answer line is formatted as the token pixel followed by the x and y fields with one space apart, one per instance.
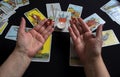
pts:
pixel 59 61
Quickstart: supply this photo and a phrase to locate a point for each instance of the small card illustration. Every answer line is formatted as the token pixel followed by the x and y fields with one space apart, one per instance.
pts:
pixel 62 21
pixel 34 16
pixel 44 54
pixel 109 38
pixel 52 8
pixel 93 21
pixel 75 10
pixel 12 33
pixel 2 28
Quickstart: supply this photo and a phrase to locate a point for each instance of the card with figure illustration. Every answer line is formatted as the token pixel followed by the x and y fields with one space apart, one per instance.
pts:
pixel 75 10
pixel 52 8
pixel 109 38
pixel 93 21
pixel 62 21
pixel 43 54
pixel 34 16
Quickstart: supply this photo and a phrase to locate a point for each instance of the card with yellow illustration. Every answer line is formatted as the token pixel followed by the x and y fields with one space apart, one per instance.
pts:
pixel 109 38
pixel 34 16
pixel 44 54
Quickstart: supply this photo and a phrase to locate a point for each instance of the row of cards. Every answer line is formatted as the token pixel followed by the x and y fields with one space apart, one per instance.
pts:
pixel 7 9
pixel 62 18
pixel 112 9
pixel 109 38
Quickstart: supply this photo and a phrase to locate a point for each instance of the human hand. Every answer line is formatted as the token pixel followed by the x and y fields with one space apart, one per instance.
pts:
pixel 87 45
pixel 32 41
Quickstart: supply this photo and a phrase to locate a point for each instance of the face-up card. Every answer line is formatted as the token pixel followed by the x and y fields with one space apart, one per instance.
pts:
pixel 75 10
pixel 52 8
pixel 109 5
pixel 44 54
pixel 34 16
pixel 12 33
pixel 62 21
pixel 109 38
pixel 12 3
pixel 3 27
pixel 2 15
pixel 93 21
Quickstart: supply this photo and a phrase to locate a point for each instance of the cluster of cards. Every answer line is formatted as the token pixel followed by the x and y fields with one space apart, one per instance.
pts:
pixel 112 9
pixel 7 9
pixel 62 18
pixel 109 38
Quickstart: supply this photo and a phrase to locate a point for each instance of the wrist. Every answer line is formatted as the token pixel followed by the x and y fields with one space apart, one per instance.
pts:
pixel 93 61
pixel 21 53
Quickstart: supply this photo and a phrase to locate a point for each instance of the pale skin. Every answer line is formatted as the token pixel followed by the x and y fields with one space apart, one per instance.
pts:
pixel 88 47
pixel 28 44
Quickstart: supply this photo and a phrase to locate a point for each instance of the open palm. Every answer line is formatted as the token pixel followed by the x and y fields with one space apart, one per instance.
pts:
pixel 31 41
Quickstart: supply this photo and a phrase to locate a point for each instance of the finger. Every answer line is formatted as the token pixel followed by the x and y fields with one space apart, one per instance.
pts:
pixel 46 30
pixel 22 25
pixel 42 22
pixel 78 24
pixel 75 30
pixel 99 32
pixel 46 24
pixel 84 25
pixel 72 34
pixel 48 33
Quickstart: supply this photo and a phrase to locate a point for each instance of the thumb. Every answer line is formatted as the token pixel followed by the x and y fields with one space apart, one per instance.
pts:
pixel 22 25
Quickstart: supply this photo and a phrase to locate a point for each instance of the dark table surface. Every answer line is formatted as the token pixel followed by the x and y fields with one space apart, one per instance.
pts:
pixel 59 60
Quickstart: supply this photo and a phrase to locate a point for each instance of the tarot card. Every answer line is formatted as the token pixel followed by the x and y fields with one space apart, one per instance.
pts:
pixel 109 5
pixel 3 27
pixel 75 10
pixel 93 21
pixel 62 21
pixel 44 54
pixel 7 5
pixel 3 15
pixel 52 8
pixel 19 3
pixel 3 22
pixel 109 38
pixel 34 16
pixel 73 59
pixel 12 3
pixel 25 2
pixel 12 33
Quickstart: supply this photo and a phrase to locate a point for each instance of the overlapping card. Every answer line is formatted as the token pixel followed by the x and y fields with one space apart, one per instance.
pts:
pixel 93 21
pixel 112 9
pixel 75 10
pixel 34 16
pixel 7 9
pixel 109 39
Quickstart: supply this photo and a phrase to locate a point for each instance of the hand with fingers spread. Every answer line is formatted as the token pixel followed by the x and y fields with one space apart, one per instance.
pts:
pixel 86 44
pixel 88 47
pixel 30 42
